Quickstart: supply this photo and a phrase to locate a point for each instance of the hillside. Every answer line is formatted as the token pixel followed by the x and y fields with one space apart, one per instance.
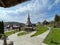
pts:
pixel 14 23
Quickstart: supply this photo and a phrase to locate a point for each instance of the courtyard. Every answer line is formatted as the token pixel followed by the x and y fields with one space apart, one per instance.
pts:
pixel 27 39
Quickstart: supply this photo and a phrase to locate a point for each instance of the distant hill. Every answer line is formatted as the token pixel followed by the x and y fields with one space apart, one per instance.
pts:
pixel 13 23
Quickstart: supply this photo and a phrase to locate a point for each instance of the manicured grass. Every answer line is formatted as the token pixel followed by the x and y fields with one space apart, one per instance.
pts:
pixel 10 32
pixel 50 25
pixel 22 33
pixel 53 36
pixel 40 29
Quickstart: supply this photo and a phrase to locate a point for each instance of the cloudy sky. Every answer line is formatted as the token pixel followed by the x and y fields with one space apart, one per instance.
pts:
pixel 39 10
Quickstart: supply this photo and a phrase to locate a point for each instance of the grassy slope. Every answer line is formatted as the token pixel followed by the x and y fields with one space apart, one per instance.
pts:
pixel 10 32
pixel 40 29
pixel 23 33
pixel 55 36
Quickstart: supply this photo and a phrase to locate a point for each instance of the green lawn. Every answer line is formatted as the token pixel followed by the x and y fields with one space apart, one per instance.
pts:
pixel 40 29
pixel 22 33
pixel 10 32
pixel 53 36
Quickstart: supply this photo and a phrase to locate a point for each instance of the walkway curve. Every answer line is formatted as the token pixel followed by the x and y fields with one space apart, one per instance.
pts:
pixel 27 39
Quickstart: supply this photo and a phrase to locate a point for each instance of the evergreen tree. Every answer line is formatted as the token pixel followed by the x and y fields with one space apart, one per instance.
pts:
pixel 57 18
pixel 1 27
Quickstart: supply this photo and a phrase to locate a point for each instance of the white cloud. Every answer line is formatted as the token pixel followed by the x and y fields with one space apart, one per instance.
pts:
pixel 35 7
pixel 56 2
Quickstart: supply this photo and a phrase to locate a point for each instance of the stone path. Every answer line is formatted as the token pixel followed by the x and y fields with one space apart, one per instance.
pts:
pixel 27 40
pixel 1 42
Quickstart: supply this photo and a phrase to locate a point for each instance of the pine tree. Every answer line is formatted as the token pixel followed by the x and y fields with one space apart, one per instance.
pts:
pixel 57 18
pixel 2 27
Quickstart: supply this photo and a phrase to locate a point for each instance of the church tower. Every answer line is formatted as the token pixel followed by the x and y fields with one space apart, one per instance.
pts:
pixel 28 26
pixel 28 21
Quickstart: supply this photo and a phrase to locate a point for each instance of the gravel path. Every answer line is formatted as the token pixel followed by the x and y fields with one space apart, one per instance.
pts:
pixel 27 40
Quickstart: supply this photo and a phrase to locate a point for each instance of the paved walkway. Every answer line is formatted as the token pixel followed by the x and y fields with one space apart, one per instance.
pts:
pixel 27 40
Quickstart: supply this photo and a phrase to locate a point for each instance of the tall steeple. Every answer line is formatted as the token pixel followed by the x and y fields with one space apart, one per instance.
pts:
pixel 29 26
pixel 28 20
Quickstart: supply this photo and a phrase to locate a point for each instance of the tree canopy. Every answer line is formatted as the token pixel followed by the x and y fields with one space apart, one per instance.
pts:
pixel 1 27
pixel 57 18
